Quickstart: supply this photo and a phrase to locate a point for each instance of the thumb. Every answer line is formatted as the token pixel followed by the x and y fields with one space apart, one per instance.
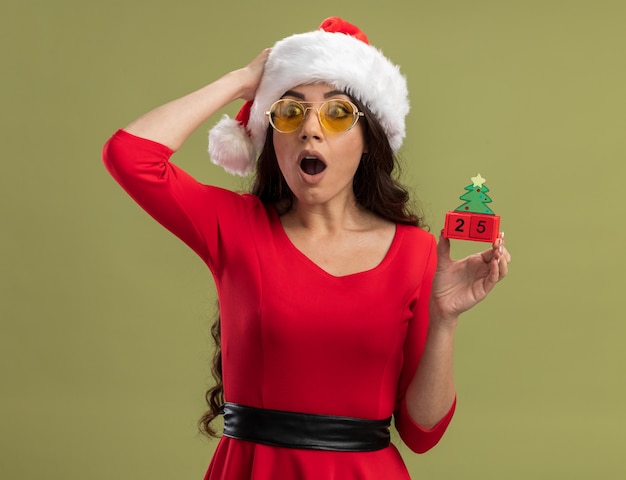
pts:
pixel 443 250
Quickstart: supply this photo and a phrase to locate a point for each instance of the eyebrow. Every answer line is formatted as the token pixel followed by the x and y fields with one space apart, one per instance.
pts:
pixel 300 96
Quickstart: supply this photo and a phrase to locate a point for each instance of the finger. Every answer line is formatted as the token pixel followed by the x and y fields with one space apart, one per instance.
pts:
pixel 502 252
pixel 499 243
pixel 489 255
pixel 503 267
pixel 503 258
pixel 499 258
pixel 497 249
pixel 493 276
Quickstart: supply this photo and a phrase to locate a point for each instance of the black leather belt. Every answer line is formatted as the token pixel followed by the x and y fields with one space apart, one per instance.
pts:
pixel 304 430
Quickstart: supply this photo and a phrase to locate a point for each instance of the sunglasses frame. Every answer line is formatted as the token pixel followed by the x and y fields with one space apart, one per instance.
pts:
pixel 356 114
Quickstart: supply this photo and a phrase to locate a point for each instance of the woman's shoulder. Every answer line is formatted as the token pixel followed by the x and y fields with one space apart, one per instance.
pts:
pixel 415 234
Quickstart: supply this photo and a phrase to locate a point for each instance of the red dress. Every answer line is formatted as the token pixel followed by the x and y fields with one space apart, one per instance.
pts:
pixel 295 337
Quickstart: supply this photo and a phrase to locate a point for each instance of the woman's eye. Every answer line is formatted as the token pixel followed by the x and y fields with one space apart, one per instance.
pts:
pixel 292 110
pixel 337 111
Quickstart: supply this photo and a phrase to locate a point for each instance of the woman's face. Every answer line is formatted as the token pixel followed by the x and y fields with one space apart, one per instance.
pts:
pixel 319 165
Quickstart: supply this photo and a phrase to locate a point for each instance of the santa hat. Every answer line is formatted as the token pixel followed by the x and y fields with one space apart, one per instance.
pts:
pixel 338 54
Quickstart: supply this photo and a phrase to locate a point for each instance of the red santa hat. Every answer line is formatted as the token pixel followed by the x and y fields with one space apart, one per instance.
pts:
pixel 338 54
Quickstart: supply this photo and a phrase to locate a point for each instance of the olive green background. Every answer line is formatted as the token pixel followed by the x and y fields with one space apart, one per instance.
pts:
pixel 104 344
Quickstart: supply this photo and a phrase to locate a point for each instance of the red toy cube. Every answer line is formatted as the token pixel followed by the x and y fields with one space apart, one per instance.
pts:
pixel 479 227
pixel 457 225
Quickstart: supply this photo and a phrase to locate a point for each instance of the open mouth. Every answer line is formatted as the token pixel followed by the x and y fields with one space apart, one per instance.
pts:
pixel 312 165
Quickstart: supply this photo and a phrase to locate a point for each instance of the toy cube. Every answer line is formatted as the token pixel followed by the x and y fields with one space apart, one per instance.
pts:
pixel 484 228
pixel 478 227
pixel 457 225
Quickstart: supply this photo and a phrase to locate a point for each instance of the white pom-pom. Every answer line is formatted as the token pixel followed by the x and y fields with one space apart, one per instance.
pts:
pixel 231 148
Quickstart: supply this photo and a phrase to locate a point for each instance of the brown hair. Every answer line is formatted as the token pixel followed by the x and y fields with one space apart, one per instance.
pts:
pixel 376 187
pixel 214 395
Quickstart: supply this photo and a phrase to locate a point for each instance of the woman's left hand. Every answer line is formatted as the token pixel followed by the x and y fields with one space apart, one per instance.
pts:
pixel 460 284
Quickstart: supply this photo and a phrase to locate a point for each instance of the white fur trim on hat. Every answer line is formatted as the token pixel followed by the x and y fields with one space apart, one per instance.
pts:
pixel 342 61
pixel 231 148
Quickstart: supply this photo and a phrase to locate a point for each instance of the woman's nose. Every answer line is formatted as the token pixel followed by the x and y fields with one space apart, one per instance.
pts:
pixel 311 127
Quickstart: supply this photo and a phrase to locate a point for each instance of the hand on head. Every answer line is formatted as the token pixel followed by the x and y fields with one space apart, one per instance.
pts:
pixel 254 70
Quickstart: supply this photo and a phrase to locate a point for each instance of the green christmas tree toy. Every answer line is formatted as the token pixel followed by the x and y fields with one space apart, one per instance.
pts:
pixel 473 220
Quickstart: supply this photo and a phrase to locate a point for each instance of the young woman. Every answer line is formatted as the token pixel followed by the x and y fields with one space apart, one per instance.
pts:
pixel 337 311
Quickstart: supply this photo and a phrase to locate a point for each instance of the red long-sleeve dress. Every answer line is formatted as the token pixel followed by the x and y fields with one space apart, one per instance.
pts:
pixel 295 337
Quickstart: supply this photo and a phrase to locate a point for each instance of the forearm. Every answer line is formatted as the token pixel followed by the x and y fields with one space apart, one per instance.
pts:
pixel 172 123
pixel 432 391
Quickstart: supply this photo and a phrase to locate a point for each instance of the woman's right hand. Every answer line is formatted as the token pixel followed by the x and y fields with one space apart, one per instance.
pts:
pixel 253 72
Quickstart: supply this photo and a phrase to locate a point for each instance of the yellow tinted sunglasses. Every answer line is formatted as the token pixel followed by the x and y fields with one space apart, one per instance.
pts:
pixel 287 115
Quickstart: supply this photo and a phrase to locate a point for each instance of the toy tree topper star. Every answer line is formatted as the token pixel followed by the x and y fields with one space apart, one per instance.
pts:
pixel 473 220
pixel 478 180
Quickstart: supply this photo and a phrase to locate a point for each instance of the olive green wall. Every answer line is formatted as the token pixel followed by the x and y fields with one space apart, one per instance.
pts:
pixel 104 339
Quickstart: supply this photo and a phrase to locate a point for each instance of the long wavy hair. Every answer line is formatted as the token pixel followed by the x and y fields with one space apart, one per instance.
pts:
pixel 376 187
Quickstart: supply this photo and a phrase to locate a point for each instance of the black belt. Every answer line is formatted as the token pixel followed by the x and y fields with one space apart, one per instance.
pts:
pixel 305 430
